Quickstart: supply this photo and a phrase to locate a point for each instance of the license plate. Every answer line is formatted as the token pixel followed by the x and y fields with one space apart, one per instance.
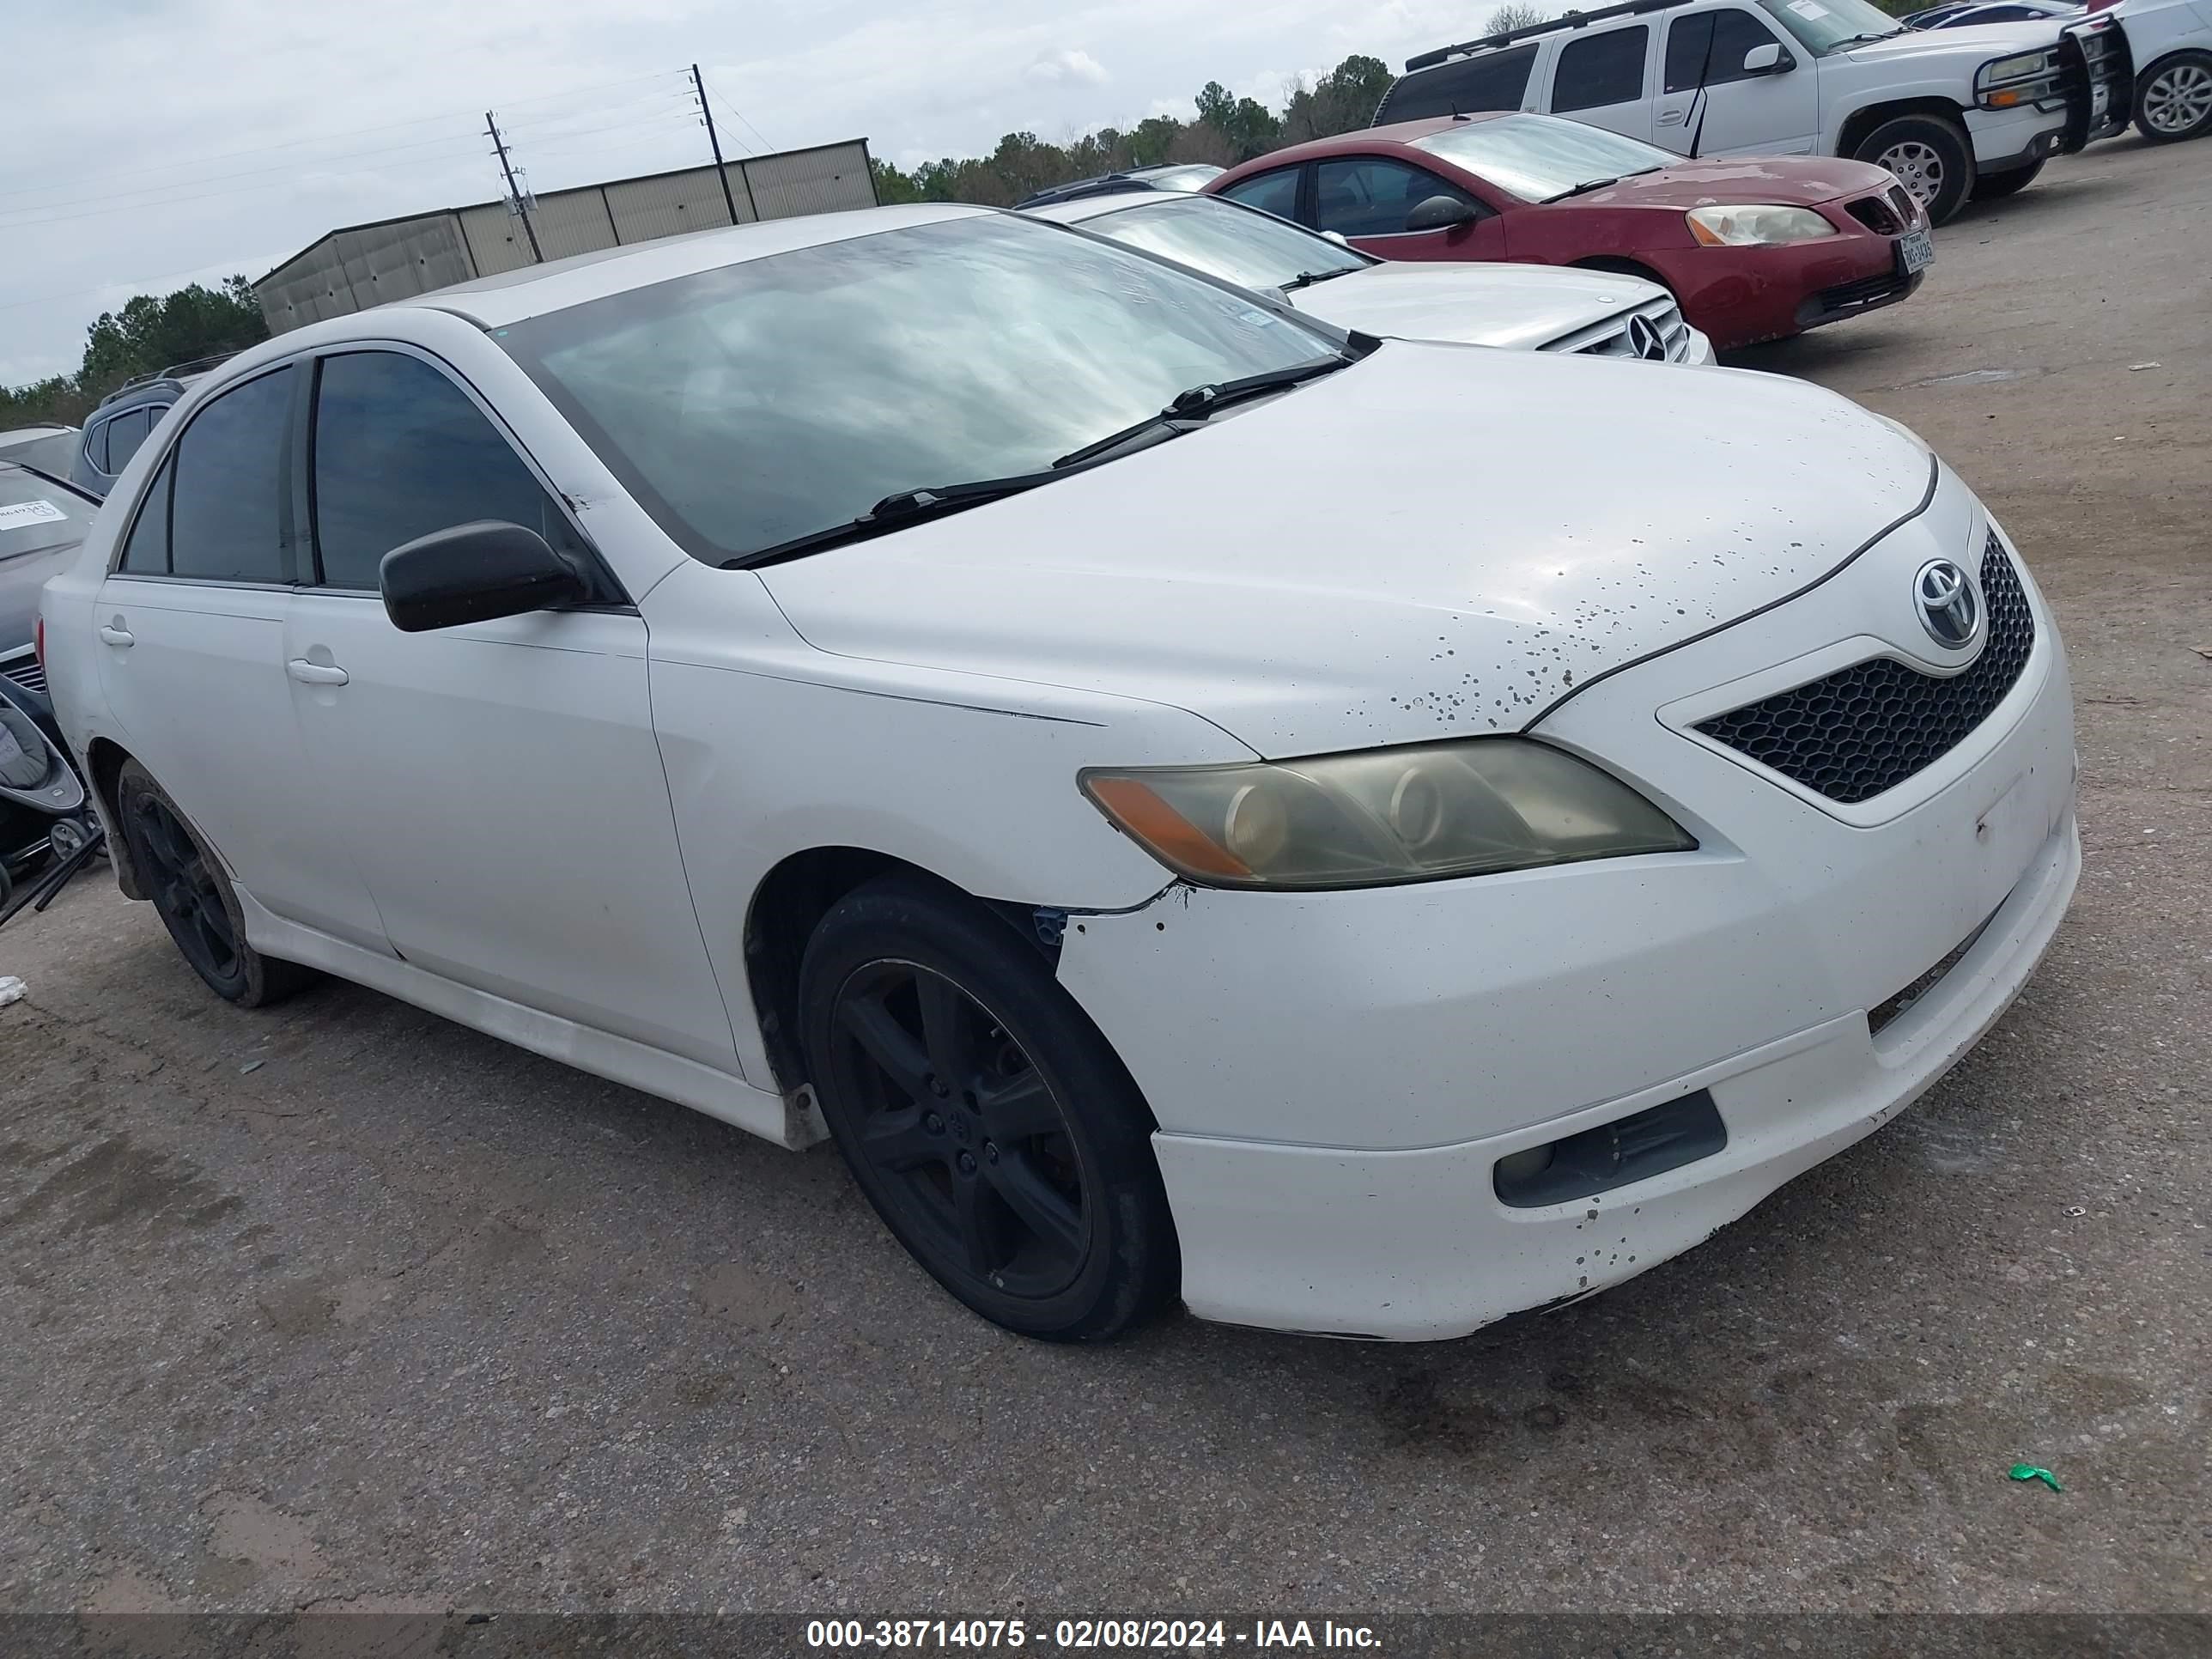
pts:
pixel 2100 100
pixel 1916 250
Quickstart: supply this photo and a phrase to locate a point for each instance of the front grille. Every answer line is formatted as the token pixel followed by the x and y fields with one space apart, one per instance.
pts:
pixel 1901 200
pixel 1610 340
pixel 1876 214
pixel 1857 296
pixel 26 671
pixel 1867 728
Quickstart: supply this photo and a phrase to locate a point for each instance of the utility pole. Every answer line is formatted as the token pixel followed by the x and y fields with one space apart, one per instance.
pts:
pixel 514 201
pixel 714 142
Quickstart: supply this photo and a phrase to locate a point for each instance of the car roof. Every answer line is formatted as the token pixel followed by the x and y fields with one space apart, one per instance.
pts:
pixel 1363 138
pixel 1092 207
pixel 510 296
pixel 35 429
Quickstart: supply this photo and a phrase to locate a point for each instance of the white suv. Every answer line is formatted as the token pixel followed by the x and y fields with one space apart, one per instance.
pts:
pixel 1190 799
pixel 1952 112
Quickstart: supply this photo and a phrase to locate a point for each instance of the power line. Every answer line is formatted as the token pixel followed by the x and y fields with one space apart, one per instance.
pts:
pixel 740 117
pixel 382 152
pixel 78 179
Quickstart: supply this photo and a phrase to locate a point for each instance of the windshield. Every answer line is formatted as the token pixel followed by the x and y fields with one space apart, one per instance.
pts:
pixel 1539 156
pixel 49 451
pixel 35 515
pixel 750 405
pixel 1825 26
pixel 1237 244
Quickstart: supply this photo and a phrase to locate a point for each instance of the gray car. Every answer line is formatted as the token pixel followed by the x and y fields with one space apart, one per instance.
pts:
pixel 43 521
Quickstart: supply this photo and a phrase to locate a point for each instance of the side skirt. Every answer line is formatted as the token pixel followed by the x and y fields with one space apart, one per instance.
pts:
pixel 793 1123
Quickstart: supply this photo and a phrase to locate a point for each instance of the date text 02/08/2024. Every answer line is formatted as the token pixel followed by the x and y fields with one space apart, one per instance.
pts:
pixel 1120 1634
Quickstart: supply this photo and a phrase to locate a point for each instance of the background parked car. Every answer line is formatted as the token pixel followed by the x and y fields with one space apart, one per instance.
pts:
pixel 123 420
pixel 1175 176
pixel 1952 112
pixel 2169 43
pixel 47 445
pixel 1751 251
pixel 43 522
pixel 1969 14
pixel 1532 307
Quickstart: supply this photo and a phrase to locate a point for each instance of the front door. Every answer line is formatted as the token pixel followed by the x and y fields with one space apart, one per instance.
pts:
pixel 1739 112
pixel 191 658
pixel 1367 199
pixel 501 781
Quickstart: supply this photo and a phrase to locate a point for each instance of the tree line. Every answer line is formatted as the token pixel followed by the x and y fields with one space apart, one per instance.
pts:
pixel 144 334
pixel 1224 129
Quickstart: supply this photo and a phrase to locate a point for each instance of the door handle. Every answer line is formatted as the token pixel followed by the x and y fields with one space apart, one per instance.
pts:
pixel 316 673
pixel 1671 117
pixel 115 634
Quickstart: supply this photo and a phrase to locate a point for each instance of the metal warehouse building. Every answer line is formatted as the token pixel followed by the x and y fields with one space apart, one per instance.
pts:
pixel 363 265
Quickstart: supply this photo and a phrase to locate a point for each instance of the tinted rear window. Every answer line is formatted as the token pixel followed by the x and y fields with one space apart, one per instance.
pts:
pixel 226 523
pixel 1491 80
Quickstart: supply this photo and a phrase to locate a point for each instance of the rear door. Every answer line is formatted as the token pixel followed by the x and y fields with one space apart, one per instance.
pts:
pixel 1605 78
pixel 1711 105
pixel 192 654
pixel 499 784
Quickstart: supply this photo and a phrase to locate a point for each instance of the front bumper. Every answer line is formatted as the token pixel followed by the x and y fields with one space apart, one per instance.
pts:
pixel 1336 1075
pixel 1415 1245
pixel 1740 297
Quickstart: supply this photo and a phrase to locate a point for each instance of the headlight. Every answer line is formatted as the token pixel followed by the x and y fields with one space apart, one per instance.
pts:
pixel 2004 81
pixel 1746 227
pixel 1387 815
pixel 2014 68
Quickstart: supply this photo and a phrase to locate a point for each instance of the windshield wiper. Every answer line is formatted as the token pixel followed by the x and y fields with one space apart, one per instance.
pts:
pixel 1194 406
pixel 1308 279
pixel 1588 184
pixel 1861 40
pixel 1186 410
pixel 894 512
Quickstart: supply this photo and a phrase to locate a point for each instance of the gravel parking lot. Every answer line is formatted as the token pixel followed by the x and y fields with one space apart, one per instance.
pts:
pixel 344 1305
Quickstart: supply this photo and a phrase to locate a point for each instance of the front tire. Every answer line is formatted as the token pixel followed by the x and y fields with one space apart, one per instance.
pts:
pixel 1930 155
pixel 2174 98
pixel 986 1119
pixel 194 898
pixel 1992 186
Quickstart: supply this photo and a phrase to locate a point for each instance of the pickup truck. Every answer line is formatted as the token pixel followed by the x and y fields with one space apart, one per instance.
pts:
pixel 1955 113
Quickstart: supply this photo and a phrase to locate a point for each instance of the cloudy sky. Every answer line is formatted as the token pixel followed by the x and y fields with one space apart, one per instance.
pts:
pixel 148 143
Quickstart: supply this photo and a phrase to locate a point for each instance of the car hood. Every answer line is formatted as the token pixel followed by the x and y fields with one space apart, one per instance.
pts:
pixel 1786 180
pixel 1438 540
pixel 1521 306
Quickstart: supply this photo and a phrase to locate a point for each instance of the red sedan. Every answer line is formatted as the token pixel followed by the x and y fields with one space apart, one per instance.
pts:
pixel 1753 247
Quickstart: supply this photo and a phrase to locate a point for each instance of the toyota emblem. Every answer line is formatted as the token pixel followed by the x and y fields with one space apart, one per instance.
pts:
pixel 1645 340
pixel 1950 607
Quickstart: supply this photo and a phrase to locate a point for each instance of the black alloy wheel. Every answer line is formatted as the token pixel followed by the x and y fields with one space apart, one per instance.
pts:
pixel 986 1119
pixel 962 1128
pixel 193 895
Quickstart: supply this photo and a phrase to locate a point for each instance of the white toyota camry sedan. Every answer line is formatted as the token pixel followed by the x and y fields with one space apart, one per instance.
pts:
pixel 1362 836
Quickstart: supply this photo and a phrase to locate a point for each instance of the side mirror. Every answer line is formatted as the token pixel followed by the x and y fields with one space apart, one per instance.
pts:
pixel 472 573
pixel 1766 60
pixel 1440 213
